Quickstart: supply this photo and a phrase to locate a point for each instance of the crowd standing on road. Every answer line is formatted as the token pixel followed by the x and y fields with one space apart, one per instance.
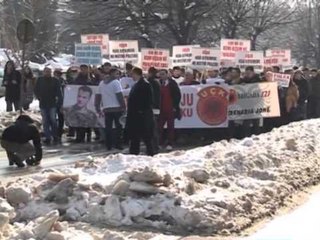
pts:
pixel 153 102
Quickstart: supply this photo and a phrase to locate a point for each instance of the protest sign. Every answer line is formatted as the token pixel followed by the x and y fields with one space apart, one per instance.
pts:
pixel 126 51
pixel 253 58
pixel 78 107
pixel 97 39
pixel 158 58
pixel 205 58
pixel 229 47
pixel 253 101
pixel 182 55
pixel 283 80
pixel 88 54
pixel 278 57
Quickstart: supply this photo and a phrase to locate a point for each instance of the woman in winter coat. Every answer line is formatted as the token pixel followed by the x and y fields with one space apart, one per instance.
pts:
pixel 11 82
pixel 292 98
pixel 28 88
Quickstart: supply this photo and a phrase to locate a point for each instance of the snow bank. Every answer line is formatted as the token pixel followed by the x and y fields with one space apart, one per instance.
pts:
pixel 218 189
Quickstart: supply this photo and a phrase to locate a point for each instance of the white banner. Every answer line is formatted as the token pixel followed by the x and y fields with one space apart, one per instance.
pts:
pixel 229 47
pixel 98 39
pixel 202 106
pixel 158 58
pixel 205 58
pixel 88 54
pixel 278 57
pixel 253 101
pixel 253 58
pixel 126 51
pixel 182 55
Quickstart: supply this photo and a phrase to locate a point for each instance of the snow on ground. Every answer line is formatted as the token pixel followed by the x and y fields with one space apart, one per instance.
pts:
pixel 6 119
pixel 218 189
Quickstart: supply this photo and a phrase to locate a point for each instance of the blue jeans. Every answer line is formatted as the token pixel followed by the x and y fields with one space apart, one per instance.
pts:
pixel 49 122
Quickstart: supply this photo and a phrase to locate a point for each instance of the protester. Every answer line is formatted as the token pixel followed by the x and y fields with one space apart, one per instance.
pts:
pixel 227 75
pixel 177 74
pixel 110 97
pixel 71 75
pixel 58 75
pixel 314 98
pixel 106 67
pixel 303 86
pixel 235 76
pixel 11 82
pixel 28 88
pixel 291 100
pixel 48 91
pixel 83 79
pixel 140 121
pixel 127 81
pixel 15 140
pixel 213 77
pixel 306 73
pixel 250 126
pixel 276 69
pixel 189 79
pixel 169 107
pixel 156 89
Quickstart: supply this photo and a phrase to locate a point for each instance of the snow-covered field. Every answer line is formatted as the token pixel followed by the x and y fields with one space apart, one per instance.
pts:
pixel 219 189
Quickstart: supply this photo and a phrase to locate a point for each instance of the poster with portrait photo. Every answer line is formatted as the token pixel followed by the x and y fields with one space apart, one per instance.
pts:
pixel 78 107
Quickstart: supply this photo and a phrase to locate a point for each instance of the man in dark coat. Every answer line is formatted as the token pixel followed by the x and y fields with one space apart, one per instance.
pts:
pixel 15 140
pixel 314 98
pixel 156 89
pixel 140 121
pixel 169 107
pixel 48 91
pixel 304 91
pixel 12 83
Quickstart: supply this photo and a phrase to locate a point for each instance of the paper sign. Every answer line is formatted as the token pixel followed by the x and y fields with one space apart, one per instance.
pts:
pixel 88 54
pixel 253 58
pixel 278 57
pixel 97 39
pixel 229 47
pixel 182 55
pixel 282 79
pixel 205 58
pixel 158 58
pixel 126 51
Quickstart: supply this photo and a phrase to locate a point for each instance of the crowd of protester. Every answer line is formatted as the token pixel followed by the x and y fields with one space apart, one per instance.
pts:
pixel 153 102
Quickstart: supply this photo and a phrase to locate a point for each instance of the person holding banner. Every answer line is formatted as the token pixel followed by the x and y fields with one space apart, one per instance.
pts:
pixel 140 121
pixel 189 79
pixel 111 98
pixel 169 108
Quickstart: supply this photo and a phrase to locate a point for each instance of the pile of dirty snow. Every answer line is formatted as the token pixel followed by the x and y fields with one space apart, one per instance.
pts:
pixel 218 189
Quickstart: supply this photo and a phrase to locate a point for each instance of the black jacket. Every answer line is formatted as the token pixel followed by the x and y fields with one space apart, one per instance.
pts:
pixel 23 132
pixel 303 88
pixel 82 80
pixel 156 88
pixel 140 121
pixel 255 79
pixel 314 87
pixel 12 89
pixel 48 91
pixel 176 97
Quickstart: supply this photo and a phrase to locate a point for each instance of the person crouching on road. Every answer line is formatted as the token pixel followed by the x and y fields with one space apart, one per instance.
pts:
pixel 15 140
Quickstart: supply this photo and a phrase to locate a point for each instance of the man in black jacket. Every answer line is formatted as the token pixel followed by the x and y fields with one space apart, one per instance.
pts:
pixel 314 98
pixel 156 88
pixel 48 91
pixel 15 140
pixel 303 86
pixel 169 106
pixel 140 121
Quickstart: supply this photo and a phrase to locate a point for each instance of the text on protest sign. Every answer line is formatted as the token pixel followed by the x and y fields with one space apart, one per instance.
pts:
pixel 253 101
pixel 88 54
pixel 278 57
pixel 229 47
pixel 283 80
pixel 182 55
pixel 158 58
pixel 253 58
pixel 124 51
pixel 205 58
pixel 97 39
